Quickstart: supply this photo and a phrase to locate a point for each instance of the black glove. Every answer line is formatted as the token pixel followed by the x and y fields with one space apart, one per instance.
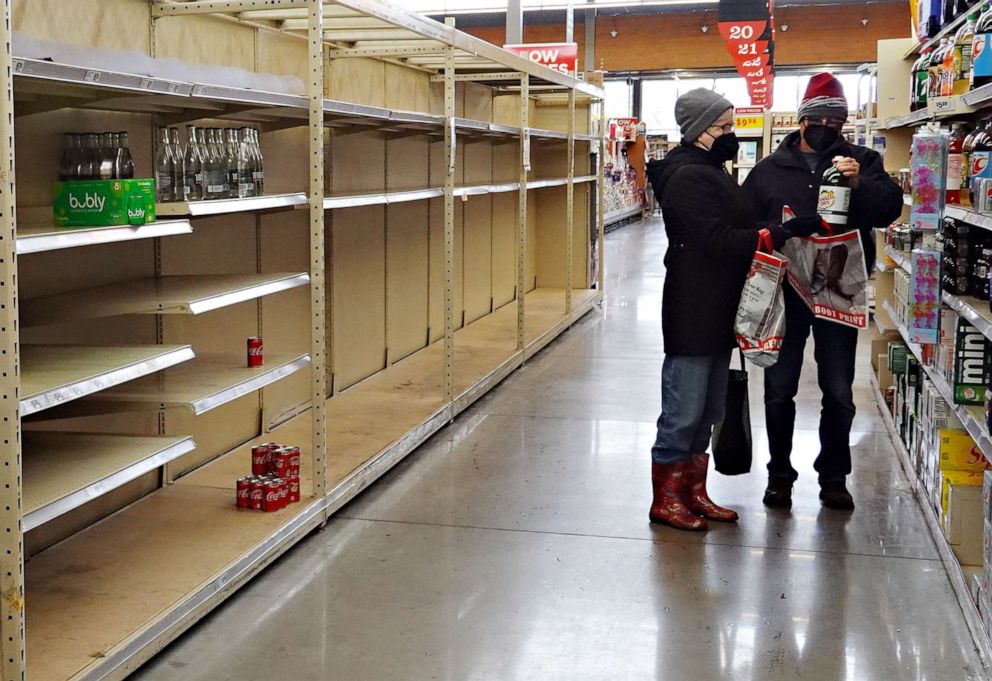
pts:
pixel 804 226
pixel 779 234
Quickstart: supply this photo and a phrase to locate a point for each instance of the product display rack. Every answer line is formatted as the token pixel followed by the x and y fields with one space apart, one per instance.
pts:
pixel 487 260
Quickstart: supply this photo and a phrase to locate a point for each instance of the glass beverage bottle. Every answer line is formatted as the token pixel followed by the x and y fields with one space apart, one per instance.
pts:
pixel 834 196
pixel 192 167
pixel 955 158
pixel 165 168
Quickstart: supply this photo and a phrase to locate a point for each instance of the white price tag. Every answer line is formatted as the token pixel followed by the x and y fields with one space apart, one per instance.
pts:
pixel 18 66
pixel 92 77
pixel 453 158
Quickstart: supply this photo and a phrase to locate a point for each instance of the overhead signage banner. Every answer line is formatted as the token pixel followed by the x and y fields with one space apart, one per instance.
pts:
pixel 748 28
pixel 562 57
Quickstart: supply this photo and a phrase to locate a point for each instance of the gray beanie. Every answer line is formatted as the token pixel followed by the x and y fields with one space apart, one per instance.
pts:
pixel 697 110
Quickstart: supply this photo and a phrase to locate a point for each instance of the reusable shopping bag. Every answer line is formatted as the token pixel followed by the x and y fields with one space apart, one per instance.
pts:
pixel 732 436
pixel 760 322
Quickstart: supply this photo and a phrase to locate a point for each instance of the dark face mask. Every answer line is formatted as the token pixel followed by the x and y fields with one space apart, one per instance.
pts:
pixel 821 138
pixel 725 147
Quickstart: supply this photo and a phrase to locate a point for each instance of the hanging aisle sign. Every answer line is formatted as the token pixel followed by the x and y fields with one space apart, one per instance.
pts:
pixel 562 57
pixel 748 28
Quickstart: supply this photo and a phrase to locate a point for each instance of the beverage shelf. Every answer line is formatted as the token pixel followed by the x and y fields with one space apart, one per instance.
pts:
pixel 187 294
pixel 901 260
pixel 947 31
pixel 974 310
pixel 542 184
pixel 381 198
pixel 224 206
pixel 979 96
pixel 547 134
pixel 40 239
pixel 969 216
pixel 56 374
pixel 63 471
pixel 916 118
pixel 205 383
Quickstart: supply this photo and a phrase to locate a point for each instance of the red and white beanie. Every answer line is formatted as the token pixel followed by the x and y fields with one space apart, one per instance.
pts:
pixel 824 98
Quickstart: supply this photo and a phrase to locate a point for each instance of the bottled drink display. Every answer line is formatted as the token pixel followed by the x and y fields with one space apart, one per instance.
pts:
pixel 955 160
pixel 919 87
pixel 165 168
pixel 834 196
pixel 95 156
pixel 980 156
pixel 192 167
pixel 217 163
pixel 935 70
pixel 981 73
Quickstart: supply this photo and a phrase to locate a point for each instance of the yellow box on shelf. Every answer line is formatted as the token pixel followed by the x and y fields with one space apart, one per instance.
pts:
pixel 958 451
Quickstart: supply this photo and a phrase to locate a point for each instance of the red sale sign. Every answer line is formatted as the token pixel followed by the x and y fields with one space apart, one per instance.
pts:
pixel 562 57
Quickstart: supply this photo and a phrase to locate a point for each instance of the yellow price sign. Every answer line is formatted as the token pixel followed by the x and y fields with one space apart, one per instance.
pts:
pixel 751 118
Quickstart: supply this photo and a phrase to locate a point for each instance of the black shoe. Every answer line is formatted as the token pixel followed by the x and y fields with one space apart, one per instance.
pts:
pixel 778 493
pixel 835 495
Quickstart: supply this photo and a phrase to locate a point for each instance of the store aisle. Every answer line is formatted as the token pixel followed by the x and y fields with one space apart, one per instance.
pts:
pixel 515 546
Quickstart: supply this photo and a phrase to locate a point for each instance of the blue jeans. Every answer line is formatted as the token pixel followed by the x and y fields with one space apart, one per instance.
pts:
pixel 836 347
pixel 693 399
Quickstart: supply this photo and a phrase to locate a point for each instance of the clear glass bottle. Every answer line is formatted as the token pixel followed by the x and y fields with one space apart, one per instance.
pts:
pixel 259 170
pixel 107 154
pixel 216 170
pixel 192 167
pixel 69 166
pixel 165 168
pixel 123 164
pixel 231 160
pixel 246 164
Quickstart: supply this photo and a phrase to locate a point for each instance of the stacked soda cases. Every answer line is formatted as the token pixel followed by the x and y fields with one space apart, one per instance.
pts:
pixel 274 482
pixel 214 163
pixel 948 463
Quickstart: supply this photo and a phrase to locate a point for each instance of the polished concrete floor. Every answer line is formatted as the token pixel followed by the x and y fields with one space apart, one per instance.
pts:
pixel 515 546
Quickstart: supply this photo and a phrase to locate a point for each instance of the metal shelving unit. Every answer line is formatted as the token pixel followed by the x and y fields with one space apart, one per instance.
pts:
pixel 187 295
pixel 367 427
pixel 55 374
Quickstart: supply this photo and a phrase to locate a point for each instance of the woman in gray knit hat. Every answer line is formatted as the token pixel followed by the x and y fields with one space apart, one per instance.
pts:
pixel 712 237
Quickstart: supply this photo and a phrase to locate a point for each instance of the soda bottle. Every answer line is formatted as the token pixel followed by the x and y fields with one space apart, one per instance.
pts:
pixel 955 159
pixel 919 81
pixel 935 70
pixel 981 51
pixel 69 166
pixel 259 168
pixel 934 16
pixel 123 164
pixel 231 160
pixel 246 164
pixel 981 155
pixel 967 147
pixel 963 41
pixel 216 170
pixel 834 196
pixel 192 167
pixel 178 174
pixel 948 69
pixel 947 12
pixel 165 168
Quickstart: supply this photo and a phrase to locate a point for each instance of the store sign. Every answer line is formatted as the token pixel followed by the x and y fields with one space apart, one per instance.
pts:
pixel 748 28
pixel 623 128
pixel 562 57
pixel 749 119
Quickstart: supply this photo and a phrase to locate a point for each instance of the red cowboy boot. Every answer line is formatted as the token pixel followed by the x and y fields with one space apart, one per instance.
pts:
pixel 697 499
pixel 669 483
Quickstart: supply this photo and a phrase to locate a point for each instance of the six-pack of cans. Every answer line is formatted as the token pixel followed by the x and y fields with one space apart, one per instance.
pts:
pixel 274 482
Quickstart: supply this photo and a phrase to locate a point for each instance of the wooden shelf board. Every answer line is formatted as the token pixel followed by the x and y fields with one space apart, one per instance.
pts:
pixel 56 374
pixel 63 471
pixel 205 383
pixel 39 239
pixel 188 294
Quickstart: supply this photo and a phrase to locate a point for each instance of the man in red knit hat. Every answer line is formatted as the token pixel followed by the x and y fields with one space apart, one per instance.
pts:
pixel 791 177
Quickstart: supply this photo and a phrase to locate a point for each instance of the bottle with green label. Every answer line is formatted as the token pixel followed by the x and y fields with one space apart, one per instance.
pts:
pixel 835 196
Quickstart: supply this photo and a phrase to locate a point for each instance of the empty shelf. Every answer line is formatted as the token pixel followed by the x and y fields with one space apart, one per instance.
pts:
pixel 189 294
pixel 63 471
pixel 205 383
pixel 224 206
pixel 55 374
pixel 38 239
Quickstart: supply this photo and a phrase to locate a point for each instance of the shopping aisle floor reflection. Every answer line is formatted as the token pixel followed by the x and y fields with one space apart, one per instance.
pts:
pixel 514 546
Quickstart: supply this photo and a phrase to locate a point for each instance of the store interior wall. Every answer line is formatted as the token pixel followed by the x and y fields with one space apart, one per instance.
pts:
pixel 821 34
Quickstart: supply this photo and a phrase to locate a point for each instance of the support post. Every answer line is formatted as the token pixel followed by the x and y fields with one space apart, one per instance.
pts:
pixel 590 42
pixel 570 203
pixel 600 203
pixel 12 543
pixel 514 22
pixel 318 325
pixel 522 206
pixel 451 162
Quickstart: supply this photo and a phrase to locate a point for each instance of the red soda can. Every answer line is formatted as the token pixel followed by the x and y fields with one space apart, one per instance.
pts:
pixel 294 462
pixel 283 493
pixel 244 493
pixel 273 497
pixel 256 494
pixel 294 490
pixel 260 458
pixel 279 462
pixel 255 356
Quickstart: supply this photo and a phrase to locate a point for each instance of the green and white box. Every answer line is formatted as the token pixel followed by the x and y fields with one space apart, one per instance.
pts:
pixel 97 203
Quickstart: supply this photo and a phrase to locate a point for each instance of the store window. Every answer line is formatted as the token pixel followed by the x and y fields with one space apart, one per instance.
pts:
pixel 619 99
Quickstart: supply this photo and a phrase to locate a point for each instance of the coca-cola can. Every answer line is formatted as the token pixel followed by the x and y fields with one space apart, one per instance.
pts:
pixel 256 494
pixel 279 461
pixel 294 462
pixel 294 490
pixel 244 493
pixel 255 355
pixel 260 458
pixel 284 492
pixel 272 501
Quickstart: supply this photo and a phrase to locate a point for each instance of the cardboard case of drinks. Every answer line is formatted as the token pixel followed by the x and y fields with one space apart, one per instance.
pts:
pixel 95 203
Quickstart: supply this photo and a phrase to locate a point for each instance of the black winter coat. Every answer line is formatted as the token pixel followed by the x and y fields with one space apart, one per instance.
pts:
pixel 784 178
pixel 712 237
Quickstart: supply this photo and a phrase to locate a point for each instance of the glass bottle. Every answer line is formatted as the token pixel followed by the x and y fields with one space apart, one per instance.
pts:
pixel 216 171
pixel 69 166
pixel 259 170
pixel 123 164
pixel 246 164
pixel 835 195
pixel 231 160
pixel 165 168
pixel 107 153
pixel 192 167
pixel 955 159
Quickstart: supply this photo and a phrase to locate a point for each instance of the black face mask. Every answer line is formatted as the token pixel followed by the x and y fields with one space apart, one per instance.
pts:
pixel 725 147
pixel 821 138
